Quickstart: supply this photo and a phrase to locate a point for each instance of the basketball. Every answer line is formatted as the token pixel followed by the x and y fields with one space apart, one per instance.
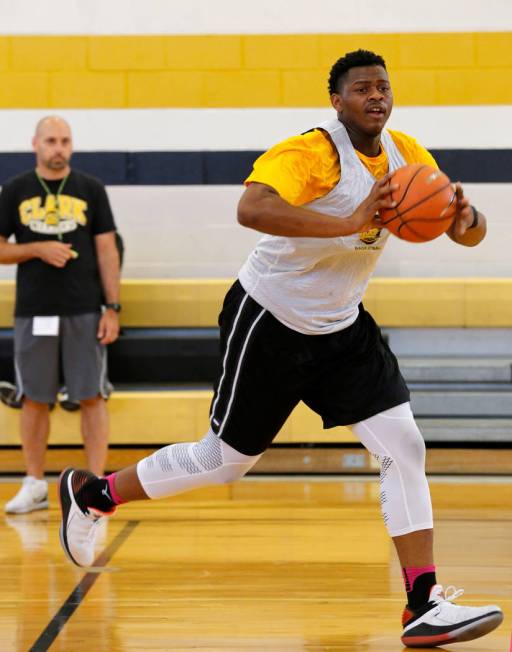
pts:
pixel 425 204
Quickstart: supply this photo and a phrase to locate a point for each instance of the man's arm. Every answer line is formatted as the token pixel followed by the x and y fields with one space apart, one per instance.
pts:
pixel 50 251
pixel 469 226
pixel 261 208
pixel 108 263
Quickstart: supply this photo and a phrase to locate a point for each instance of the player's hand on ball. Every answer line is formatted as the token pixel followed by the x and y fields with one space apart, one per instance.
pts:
pixel 463 213
pixel 366 214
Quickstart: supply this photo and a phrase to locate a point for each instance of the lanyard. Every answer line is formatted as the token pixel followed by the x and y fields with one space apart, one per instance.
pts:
pixel 57 196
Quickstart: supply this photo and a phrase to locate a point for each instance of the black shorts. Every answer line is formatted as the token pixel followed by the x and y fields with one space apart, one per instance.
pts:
pixel 345 377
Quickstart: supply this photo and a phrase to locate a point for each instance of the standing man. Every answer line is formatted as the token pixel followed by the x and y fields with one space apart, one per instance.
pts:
pixel 67 262
pixel 293 328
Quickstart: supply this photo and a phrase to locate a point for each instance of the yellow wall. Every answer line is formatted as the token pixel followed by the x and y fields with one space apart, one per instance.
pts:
pixel 394 302
pixel 245 70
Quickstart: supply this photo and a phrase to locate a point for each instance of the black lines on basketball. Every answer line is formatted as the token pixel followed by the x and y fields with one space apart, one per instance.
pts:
pixel 409 184
pixel 426 206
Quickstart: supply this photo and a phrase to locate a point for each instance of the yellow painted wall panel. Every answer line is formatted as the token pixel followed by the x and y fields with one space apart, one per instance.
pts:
pixel 203 52
pixel 414 87
pixel 24 90
pixel 306 425
pixel 180 302
pixel 425 69
pixel 305 88
pixel 6 304
pixel 394 302
pixel 87 90
pixel 281 51
pixel 481 86
pixel 420 302
pixel 210 299
pixel 488 301
pixel 4 52
pixel 242 88
pixel 135 418
pixel 334 46
pixel 165 417
pixel 436 50
pixel 370 297
pixel 127 52
pixel 153 304
pixel 48 53
pixel 494 49
pixel 164 89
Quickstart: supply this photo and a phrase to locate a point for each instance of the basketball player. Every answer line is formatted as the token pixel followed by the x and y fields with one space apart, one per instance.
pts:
pixel 293 328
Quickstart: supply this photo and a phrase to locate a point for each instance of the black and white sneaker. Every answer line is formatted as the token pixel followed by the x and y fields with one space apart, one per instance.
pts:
pixel 9 395
pixel 65 402
pixel 79 526
pixel 442 622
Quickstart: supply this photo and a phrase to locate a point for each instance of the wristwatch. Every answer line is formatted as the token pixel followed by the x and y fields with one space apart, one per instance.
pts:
pixel 116 307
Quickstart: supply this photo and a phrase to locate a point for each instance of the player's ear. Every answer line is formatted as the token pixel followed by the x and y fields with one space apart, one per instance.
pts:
pixel 337 102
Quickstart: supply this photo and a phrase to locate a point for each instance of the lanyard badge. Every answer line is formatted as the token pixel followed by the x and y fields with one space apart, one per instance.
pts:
pixel 56 212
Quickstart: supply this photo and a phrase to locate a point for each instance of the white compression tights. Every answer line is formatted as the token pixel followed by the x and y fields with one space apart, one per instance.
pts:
pixel 395 440
pixel 180 467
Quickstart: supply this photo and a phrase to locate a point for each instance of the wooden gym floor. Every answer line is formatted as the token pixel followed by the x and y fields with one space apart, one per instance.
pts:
pixel 273 565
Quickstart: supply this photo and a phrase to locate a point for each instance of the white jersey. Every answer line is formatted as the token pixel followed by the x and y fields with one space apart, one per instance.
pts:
pixel 314 285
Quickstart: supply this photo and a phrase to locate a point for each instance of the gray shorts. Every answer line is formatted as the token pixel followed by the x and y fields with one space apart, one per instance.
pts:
pixel 38 359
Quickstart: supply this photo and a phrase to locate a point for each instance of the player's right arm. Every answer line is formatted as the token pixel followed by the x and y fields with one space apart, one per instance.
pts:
pixel 263 209
pixel 294 173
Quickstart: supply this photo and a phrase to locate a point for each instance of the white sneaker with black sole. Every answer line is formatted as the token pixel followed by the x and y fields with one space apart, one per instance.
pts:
pixel 442 622
pixel 79 526
pixel 33 495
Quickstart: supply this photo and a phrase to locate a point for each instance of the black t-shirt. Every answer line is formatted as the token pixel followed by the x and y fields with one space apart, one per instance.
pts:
pixel 30 214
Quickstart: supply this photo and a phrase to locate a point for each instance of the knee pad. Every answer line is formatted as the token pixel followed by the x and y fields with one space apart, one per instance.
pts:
pixel 395 440
pixel 180 467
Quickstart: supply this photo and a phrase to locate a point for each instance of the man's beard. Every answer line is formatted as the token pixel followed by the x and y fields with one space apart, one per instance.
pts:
pixel 57 163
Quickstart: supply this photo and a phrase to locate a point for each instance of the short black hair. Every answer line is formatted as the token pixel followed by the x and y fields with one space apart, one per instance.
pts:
pixel 355 59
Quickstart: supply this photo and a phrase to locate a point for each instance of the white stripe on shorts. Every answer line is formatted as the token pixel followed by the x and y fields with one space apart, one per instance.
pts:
pixel 242 303
pixel 233 389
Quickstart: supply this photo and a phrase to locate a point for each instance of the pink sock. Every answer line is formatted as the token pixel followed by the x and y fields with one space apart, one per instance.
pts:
pixel 411 574
pixel 111 485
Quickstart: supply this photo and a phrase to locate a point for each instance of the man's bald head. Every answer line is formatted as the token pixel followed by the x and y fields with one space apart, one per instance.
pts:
pixel 50 121
pixel 53 146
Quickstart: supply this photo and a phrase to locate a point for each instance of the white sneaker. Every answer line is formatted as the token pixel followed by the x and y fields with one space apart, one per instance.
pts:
pixel 32 495
pixel 442 622
pixel 79 526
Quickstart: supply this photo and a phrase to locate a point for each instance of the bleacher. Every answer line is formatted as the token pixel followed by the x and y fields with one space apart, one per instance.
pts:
pixel 451 335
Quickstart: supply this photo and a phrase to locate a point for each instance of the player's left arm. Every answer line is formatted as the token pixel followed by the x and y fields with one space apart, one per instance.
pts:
pixel 469 226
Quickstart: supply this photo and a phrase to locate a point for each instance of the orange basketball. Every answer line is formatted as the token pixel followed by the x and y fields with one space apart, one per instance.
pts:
pixel 425 203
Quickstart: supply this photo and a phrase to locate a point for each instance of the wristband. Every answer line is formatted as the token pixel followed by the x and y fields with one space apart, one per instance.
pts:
pixel 474 223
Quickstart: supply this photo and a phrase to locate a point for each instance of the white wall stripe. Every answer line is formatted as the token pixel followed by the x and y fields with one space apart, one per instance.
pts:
pixel 458 127
pixel 265 16
pixel 192 232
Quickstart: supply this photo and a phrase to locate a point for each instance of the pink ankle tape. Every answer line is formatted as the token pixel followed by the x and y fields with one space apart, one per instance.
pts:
pixel 411 574
pixel 111 485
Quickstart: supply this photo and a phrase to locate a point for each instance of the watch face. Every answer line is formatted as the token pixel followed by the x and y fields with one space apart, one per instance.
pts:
pixel 114 306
